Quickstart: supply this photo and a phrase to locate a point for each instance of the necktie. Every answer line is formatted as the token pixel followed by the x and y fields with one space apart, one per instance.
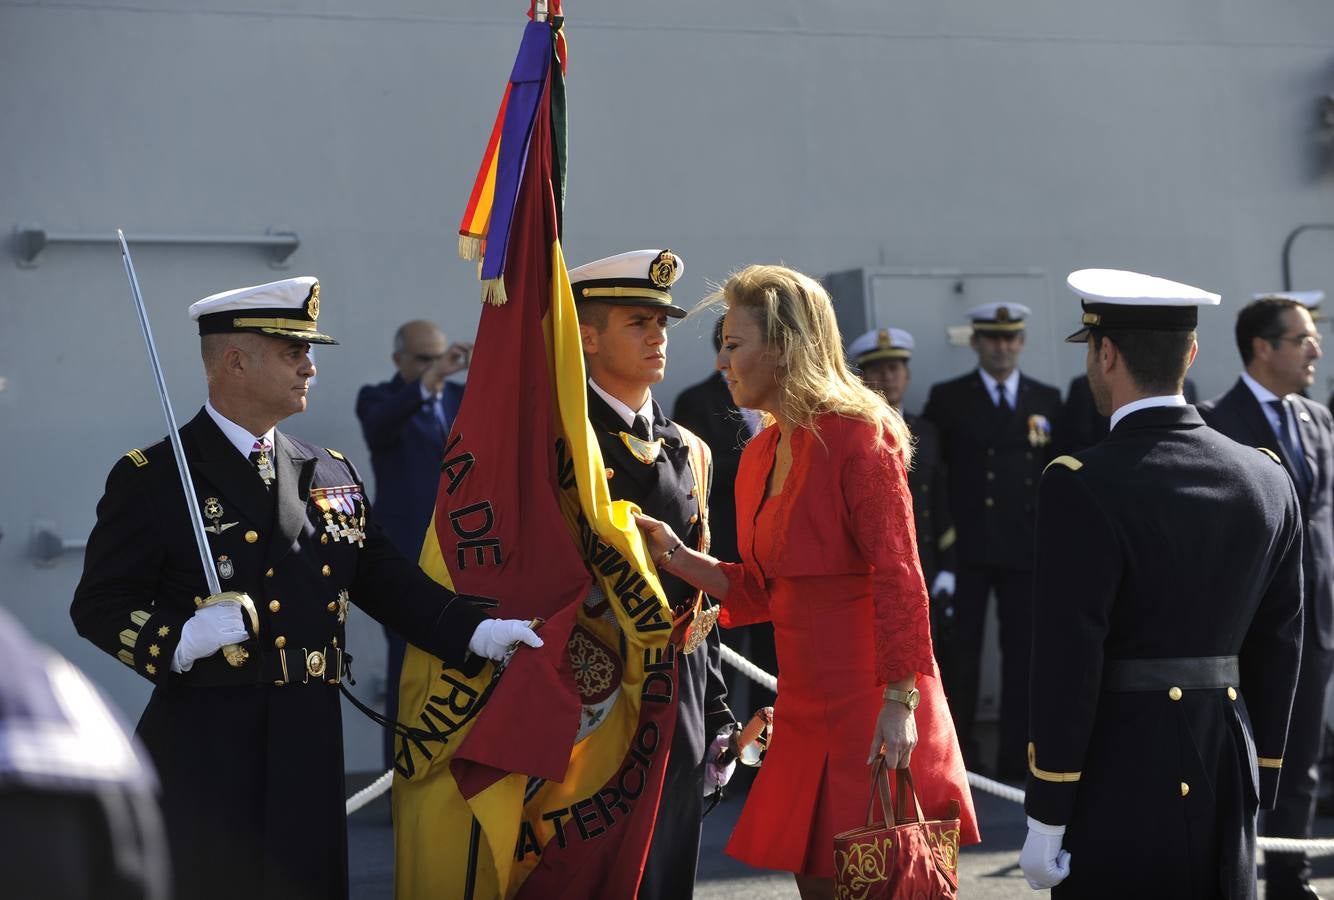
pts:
pixel 261 457
pixel 640 429
pixel 1301 474
pixel 1002 401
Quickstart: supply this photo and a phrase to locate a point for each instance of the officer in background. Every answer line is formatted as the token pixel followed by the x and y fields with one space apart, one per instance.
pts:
pixel 1167 621
pixel 77 804
pixel 405 422
pixel 996 432
pixel 1279 346
pixel 883 357
pixel 247 742
pixel 624 303
pixel 707 410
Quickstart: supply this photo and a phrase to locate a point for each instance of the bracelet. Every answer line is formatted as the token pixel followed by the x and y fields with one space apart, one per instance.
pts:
pixel 667 557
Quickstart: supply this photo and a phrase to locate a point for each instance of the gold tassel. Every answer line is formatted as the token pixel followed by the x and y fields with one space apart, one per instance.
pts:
pixel 470 247
pixel 493 291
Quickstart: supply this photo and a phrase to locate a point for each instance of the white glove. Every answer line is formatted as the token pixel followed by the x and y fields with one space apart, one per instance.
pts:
pixel 204 633
pixel 494 637
pixel 1044 863
pixel 944 584
pixel 716 776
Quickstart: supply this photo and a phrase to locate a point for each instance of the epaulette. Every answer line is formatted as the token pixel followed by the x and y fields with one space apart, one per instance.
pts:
pixel 1271 454
pixel 335 454
pixel 137 456
pixel 1069 462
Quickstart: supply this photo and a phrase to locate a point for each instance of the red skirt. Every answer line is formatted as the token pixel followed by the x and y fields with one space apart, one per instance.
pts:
pixel 814 781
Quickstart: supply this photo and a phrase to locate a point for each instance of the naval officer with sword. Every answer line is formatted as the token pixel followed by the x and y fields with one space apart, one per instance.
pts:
pixel 246 651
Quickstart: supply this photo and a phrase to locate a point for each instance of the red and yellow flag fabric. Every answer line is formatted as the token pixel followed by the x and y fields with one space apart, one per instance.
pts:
pixel 544 782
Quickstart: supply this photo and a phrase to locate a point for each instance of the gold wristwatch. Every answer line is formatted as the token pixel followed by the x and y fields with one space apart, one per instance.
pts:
pixel 909 699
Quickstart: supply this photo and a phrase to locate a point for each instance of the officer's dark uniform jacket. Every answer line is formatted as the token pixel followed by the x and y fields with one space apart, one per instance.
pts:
pixel 250 758
pixel 927 480
pixel 667 490
pixel 994 460
pixel 1163 546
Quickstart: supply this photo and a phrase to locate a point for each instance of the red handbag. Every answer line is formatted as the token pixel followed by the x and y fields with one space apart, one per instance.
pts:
pixel 907 858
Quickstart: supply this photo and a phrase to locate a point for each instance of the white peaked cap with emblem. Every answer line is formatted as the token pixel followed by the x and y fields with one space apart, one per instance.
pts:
pixel 880 343
pixel 288 309
pixel 637 278
pixel 1130 301
pixel 1310 299
pixel 998 318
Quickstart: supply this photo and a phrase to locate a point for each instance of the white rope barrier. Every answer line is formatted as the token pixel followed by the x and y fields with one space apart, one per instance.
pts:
pixel 1316 847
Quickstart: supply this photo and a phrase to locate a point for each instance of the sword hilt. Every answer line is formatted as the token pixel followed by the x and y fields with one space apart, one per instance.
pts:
pixel 235 654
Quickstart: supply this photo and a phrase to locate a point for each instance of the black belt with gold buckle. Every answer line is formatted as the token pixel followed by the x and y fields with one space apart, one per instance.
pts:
pixel 290 665
pixel 1189 673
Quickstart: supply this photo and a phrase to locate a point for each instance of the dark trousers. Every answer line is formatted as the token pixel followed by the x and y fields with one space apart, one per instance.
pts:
pixel 1294 810
pixel 1014 607
pixel 393 669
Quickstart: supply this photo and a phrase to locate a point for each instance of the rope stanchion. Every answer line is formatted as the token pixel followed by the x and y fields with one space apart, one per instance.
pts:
pixel 370 792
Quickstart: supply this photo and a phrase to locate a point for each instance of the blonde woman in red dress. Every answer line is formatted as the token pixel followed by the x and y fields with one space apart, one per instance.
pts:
pixel 825 532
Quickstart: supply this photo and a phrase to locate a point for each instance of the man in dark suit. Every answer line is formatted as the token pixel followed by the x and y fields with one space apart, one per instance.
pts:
pixel 1081 424
pixel 1167 620
pixel 624 303
pixel 883 357
pixel 707 410
pixel 1279 347
pixel 996 431
pixel 247 742
pixel 405 422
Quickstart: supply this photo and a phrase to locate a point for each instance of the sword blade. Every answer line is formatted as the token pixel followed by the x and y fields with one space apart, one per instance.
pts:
pixel 187 484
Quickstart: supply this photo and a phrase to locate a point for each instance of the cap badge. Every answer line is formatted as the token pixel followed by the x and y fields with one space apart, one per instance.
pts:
pixel 882 340
pixel 662 271
pixel 313 304
pixel 1002 314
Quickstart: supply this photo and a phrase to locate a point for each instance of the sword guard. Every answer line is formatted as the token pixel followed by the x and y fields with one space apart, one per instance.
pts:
pixel 235 654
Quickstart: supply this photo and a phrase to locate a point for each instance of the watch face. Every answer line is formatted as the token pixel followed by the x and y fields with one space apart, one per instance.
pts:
pixel 914 698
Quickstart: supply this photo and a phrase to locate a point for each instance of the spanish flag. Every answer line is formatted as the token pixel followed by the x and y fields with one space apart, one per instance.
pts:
pixel 541 781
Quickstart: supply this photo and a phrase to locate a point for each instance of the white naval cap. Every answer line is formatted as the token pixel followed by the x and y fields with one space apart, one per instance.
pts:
pixel 998 318
pixel 1310 299
pixel 1130 301
pixel 880 343
pixel 637 278
pixel 289 309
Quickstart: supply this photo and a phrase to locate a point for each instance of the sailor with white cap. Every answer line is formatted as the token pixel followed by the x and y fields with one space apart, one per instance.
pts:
pixel 624 304
pixel 1166 623
pixel 997 433
pixel 1310 299
pixel 1280 345
pixel 883 357
pixel 248 741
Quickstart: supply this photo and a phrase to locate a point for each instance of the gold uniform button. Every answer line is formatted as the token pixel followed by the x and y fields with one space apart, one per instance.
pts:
pixel 268 574
pixel 332 607
pixel 1232 693
pixel 324 539
pixel 280 642
pixel 326 570
pixel 1174 693
pixel 1185 789
pixel 990 502
pixel 610 473
pixel 251 537
pixel 693 518
pixel 274 606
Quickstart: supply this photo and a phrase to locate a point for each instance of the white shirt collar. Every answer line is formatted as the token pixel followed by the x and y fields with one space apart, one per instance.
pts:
pixel 626 413
pixel 1011 385
pixel 242 440
pixel 1262 393
pixel 1147 403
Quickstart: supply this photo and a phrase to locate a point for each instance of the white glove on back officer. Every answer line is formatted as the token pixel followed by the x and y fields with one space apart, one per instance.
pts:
pixel 1043 861
pixel 204 634
pixel 494 637
pixel 715 775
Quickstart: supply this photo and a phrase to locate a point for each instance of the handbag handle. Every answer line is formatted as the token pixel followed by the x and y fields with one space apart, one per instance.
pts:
pixel 904 789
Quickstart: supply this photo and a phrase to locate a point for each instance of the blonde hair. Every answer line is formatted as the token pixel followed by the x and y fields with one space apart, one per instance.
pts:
pixel 796 315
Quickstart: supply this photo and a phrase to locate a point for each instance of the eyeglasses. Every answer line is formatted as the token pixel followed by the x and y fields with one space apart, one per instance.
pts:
pixel 1303 340
pixel 427 358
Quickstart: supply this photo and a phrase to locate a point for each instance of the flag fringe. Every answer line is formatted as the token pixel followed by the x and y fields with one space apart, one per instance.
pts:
pixel 470 247
pixel 493 291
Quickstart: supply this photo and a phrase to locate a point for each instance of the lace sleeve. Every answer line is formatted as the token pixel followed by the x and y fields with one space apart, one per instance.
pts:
pixel 747 602
pixel 875 488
